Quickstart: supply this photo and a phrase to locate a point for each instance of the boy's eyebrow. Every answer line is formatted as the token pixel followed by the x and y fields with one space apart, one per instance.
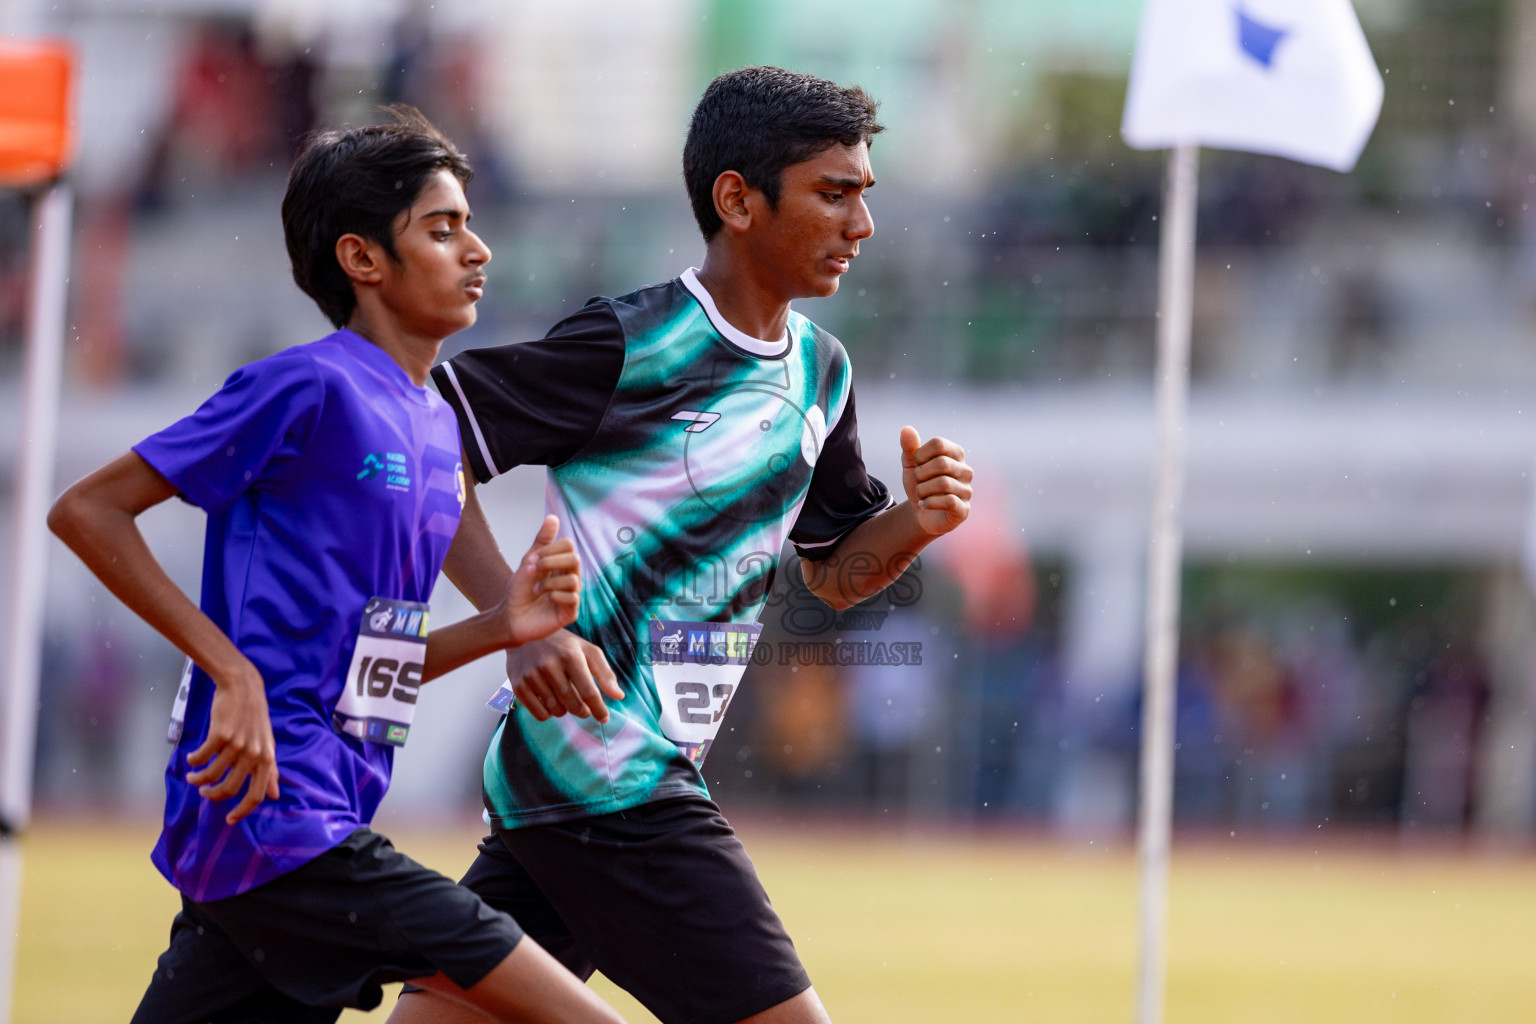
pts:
pixel 832 179
pixel 448 212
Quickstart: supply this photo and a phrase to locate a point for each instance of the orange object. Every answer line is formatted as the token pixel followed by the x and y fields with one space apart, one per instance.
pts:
pixel 35 129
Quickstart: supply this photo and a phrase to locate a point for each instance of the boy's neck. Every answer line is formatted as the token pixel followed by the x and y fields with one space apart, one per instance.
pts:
pixel 743 295
pixel 415 354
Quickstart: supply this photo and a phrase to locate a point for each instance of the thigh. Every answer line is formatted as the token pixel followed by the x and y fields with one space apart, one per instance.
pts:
pixel 334 931
pixel 202 978
pixel 666 903
pixel 504 884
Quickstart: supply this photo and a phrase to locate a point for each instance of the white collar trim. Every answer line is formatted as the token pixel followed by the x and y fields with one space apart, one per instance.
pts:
pixel 745 342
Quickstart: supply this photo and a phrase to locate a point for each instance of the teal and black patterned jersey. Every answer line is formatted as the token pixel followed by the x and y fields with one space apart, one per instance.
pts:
pixel 681 455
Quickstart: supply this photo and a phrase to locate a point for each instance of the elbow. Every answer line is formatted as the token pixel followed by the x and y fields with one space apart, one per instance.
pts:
pixel 62 515
pixel 824 584
pixel 833 598
pixel 67 516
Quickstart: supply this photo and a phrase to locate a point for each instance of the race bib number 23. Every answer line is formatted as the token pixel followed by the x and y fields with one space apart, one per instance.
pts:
pixel 378 699
pixel 698 666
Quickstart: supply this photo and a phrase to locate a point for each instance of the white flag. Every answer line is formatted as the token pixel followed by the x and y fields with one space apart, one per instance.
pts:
pixel 1290 77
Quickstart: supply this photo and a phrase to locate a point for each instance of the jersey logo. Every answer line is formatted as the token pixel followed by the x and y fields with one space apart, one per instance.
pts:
pixel 697 421
pixel 392 465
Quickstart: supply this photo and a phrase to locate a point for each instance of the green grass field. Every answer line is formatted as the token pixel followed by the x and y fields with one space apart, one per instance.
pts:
pixel 897 929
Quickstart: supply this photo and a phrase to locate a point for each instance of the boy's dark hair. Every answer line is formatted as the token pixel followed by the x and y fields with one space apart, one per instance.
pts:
pixel 358 181
pixel 758 121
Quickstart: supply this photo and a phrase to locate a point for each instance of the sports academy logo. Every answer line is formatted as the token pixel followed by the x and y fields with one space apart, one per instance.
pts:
pixel 393 467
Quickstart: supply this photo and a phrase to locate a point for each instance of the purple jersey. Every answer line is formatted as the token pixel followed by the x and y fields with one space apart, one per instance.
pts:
pixel 329 478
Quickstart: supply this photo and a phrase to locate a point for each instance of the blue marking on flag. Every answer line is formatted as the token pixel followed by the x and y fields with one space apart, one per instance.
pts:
pixel 1257 39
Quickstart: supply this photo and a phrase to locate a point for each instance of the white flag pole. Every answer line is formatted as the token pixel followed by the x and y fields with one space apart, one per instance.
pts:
pixel 1176 286
pixel 29 548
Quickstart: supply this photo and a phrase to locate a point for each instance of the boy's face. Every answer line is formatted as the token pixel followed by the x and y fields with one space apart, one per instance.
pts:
pixel 440 273
pixel 820 221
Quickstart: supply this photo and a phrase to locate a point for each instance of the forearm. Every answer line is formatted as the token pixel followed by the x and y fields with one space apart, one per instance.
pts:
pixel 475 564
pixel 97 519
pixel 868 559
pixel 451 647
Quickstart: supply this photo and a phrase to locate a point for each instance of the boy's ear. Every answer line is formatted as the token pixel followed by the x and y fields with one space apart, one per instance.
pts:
pixel 731 196
pixel 360 259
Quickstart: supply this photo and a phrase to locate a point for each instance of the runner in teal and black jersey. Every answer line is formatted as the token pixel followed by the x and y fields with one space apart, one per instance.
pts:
pixel 699 449
pixel 689 428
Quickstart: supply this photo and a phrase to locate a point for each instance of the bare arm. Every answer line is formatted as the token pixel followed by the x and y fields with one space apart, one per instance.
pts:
pixel 96 519
pixel 559 673
pixel 937 481
pixel 539 598
pixel 475 564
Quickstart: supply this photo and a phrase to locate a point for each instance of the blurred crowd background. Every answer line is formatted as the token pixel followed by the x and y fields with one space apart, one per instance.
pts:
pixel 1359 632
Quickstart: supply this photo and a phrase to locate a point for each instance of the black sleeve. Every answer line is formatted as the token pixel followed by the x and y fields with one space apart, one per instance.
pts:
pixel 842 493
pixel 535 402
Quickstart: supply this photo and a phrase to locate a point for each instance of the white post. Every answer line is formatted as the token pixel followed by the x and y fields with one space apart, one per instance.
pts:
pixel 29 548
pixel 1174 302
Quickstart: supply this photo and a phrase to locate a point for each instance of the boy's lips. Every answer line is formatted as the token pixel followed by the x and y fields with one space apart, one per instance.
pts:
pixel 475 285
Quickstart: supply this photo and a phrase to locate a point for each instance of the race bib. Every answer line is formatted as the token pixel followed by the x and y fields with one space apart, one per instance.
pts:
pixel 698 666
pixel 501 700
pixel 179 705
pixel 379 698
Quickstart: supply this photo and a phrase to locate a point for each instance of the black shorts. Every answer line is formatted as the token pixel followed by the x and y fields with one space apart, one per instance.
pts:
pixel 322 937
pixel 661 898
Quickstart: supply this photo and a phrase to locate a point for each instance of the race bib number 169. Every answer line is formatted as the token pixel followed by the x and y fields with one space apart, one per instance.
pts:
pixel 378 699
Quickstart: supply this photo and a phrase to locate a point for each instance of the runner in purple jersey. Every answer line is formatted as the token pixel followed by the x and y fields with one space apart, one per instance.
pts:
pixel 331 479
pixel 325 449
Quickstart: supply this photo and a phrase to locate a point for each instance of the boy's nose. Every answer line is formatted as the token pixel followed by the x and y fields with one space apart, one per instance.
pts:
pixel 862 224
pixel 479 252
